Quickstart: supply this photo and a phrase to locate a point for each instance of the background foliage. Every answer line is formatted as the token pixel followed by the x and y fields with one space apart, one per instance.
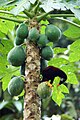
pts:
pixel 66 54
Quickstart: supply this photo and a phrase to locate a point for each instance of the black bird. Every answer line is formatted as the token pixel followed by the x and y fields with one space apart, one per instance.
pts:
pixel 50 72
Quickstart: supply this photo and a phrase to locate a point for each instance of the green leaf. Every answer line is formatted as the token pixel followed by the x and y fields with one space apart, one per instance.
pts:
pixel 58 50
pixel 75 45
pixel 74 56
pixel 57 96
pixel 11 71
pixel 48 5
pixel 75 51
pixel 72 79
pixel 73 32
pixel 5 26
pixel 57 62
pixel 74 7
pixel 68 68
pixel 63 88
pixel 21 5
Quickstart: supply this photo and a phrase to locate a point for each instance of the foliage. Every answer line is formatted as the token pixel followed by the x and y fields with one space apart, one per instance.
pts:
pixel 67 59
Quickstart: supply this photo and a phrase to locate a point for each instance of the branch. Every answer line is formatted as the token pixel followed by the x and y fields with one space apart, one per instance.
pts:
pixel 68 21
pixel 11 19
pixel 7 12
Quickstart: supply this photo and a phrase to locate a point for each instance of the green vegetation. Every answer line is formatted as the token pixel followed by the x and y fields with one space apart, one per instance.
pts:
pixel 47 53
pixel 15 86
pixel 18 40
pixel 53 33
pixel 16 56
pixel 33 34
pixel 44 90
pixel 22 31
pixel 42 41
pixel 44 64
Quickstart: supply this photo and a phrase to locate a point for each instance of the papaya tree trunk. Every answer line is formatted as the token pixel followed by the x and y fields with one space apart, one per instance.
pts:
pixel 32 102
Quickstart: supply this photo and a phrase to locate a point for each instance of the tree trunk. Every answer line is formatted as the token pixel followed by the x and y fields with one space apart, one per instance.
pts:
pixel 32 102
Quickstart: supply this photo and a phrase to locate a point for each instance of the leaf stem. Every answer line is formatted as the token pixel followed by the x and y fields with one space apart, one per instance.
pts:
pixel 68 21
pixel 61 15
pixel 7 12
pixel 11 19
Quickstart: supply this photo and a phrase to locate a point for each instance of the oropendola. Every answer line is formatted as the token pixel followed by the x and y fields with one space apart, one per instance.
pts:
pixel 50 72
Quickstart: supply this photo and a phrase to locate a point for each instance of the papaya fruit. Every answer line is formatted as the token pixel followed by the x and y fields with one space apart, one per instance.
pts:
pixel 22 31
pixel 43 64
pixel 33 34
pixel 22 69
pixel 16 56
pixel 47 53
pixel 15 86
pixel 18 40
pixel 53 33
pixel 42 41
pixel 44 90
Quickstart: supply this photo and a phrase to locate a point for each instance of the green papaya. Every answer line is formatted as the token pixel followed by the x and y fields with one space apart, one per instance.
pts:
pixel 47 53
pixel 53 33
pixel 33 34
pixel 42 41
pixel 44 90
pixel 16 56
pixel 43 64
pixel 22 69
pixel 22 31
pixel 15 86
pixel 18 40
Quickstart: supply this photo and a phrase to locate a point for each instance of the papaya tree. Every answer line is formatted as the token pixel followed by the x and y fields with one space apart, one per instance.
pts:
pixel 29 57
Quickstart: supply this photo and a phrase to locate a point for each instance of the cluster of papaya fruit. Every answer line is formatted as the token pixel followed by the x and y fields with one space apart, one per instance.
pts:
pixel 16 56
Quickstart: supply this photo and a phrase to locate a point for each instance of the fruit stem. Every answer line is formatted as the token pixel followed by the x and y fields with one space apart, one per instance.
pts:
pixel 34 10
pixel 28 14
pixel 41 17
pixel 11 19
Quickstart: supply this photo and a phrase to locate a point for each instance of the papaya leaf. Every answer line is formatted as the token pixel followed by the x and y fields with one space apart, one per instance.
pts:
pixel 21 5
pixel 75 45
pixel 73 32
pixel 57 96
pixel 57 62
pixel 7 77
pixel 63 88
pixel 5 26
pixel 58 50
pixel 72 79
pixel 69 68
pixel 74 56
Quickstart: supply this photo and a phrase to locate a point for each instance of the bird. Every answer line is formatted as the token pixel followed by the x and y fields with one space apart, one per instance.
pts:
pixel 50 72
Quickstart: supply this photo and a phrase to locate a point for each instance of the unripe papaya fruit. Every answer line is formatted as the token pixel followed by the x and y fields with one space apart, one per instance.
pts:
pixel 16 56
pixel 53 33
pixel 42 41
pixel 33 34
pixel 44 64
pixel 22 31
pixel 47 53
pixel 22 69
pixel 15 86
pixel 44 90
pixel 18 40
